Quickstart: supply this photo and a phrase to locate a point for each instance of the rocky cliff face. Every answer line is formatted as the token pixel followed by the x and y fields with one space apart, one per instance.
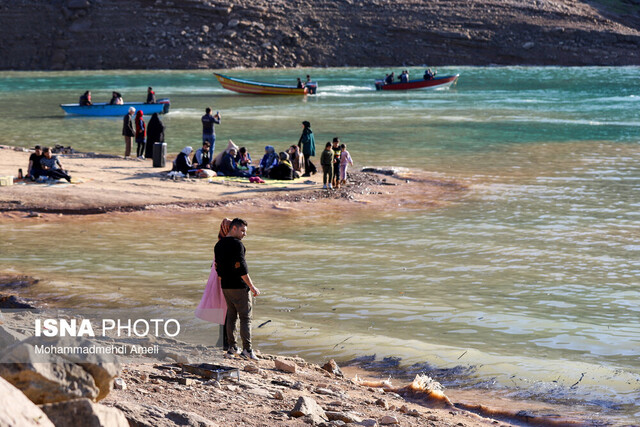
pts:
pixel 140 34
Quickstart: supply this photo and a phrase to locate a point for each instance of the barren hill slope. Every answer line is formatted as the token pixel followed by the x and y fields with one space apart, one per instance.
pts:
pixel 138 34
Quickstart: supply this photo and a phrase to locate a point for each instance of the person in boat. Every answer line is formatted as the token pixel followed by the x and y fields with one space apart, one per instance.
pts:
pixel 85 99
pixel 141 134
pixel 389 79
pixel 307 145
pixel 243 159
pixel 151 96
pixel 283 170
pixel 403 77
pixel 300 84
pixel 269 160
pixel 229 167
pixel 116 99
pixel 201 159
pixel 429 75
pixel 297 159
pixel 208 128
pixel 51 166
pixel 182 163
pixel 34 170
pixel 128 131
pixel 308 78
pixel 155 133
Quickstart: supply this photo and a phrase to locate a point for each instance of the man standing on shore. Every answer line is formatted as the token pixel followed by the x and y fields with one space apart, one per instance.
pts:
pixel 236 284
pixel 128 131
pixel 208 130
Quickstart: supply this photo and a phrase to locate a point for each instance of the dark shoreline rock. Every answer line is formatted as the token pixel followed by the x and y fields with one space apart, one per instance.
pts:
pixel 204 34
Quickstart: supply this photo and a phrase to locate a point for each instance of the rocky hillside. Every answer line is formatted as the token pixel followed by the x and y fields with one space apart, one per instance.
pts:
pixel 139 34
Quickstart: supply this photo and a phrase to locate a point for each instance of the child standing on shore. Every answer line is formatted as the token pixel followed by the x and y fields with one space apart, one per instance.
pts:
pixel 345 161
pixel 326 160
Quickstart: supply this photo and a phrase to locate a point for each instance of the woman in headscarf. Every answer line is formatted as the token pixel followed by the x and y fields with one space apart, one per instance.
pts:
pixel 284 170
pixel 297 159
pixel 213 307
pixel 182 163
pixel 307 144
pixel 155 133
pixel 269 160
pixel 141 134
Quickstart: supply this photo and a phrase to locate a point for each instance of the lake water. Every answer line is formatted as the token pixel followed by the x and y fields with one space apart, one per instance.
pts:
pixel 526 284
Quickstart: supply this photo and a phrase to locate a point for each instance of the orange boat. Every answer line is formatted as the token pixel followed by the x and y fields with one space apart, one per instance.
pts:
pixel 259 88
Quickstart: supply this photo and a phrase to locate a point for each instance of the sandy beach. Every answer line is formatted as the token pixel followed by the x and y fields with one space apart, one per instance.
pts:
pixel 105 183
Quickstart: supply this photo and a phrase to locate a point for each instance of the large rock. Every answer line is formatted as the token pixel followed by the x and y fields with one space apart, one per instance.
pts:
pixel 17 410
pixel 285 365
pixel 9 337
pixel 332 366
pixel 153 416
pixel 58 379
pixel 306 406
pixel 50 382
pixel 84 413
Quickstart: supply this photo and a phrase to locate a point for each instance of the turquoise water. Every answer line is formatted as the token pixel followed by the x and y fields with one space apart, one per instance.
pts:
pixel 526 284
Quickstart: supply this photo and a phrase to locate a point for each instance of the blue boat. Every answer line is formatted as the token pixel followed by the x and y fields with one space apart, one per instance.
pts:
pixel 105 109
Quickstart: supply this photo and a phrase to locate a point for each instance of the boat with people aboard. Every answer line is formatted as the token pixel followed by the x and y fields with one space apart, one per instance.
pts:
pixel 106 109
pixel 443 82
pixel 260 88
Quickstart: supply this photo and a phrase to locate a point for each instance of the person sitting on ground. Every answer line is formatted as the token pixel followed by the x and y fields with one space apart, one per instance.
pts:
pixel 243 159
pixel 201 159
pixel 182 163
pixel 229 167
pixel 217 161
pixel 389 79
pixel 300 85
pixel 34 170
pixel 151 96
pixel 283 170
pixel 116 99
pixel 269 160
pixel 297 159
pixel 51 166
pixel 85 99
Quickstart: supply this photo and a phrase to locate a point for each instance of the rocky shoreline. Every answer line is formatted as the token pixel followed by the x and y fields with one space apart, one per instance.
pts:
pixel 274 390
pixel 218 34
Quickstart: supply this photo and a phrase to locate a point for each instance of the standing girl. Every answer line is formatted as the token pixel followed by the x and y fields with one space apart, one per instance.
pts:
pixel 141 134
pixel 345 161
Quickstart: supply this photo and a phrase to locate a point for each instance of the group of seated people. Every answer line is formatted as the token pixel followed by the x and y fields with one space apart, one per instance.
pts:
pixel 116 98
pixel 42 163
pixel 234 161
pixel 404 76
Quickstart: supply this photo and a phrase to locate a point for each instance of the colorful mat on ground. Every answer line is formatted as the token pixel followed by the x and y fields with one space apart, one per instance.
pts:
pixel 267 181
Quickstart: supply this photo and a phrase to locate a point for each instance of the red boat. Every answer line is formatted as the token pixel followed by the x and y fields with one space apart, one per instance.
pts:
pixel 434 83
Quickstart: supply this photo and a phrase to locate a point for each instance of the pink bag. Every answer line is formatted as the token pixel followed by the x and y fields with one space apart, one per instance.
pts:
pixel 212 307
